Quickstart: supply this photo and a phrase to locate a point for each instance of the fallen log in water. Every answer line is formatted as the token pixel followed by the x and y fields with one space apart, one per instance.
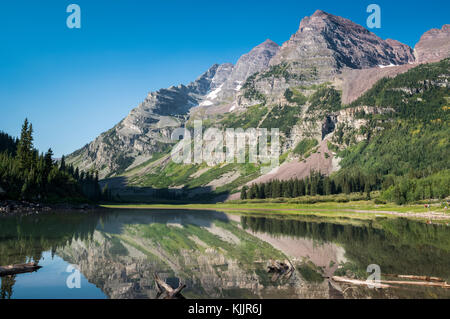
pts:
pixel 171 293
pixel 277 266
pixel 419 283
pixel 359 282
pixel 18 269
pixel 388 283
pixel 280 270
pixel 413 277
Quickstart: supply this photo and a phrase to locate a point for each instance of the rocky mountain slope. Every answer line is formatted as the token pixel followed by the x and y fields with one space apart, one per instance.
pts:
pixel 146 130
pixel 223 99
pixel 323 47
pixel 434 45
pixel 331 42
pixel 300 88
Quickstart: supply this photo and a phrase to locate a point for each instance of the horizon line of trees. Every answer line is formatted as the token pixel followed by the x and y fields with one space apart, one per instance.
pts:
pixel 313 185
pixel 398 189
pixel 26 174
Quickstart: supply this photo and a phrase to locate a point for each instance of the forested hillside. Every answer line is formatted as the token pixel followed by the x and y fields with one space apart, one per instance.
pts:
pixel 27 175
pixel 411 141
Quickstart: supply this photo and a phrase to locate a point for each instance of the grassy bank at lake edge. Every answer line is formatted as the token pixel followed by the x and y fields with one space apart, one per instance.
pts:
pixel 358 209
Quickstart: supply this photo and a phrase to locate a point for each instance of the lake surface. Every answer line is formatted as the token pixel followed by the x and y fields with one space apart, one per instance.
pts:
pixel 114 254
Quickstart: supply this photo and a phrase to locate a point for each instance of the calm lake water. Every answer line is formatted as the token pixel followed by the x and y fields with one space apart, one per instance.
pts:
pixel 217 255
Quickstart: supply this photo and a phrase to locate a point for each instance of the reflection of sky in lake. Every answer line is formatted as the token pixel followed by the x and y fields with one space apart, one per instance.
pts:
pixel 49 282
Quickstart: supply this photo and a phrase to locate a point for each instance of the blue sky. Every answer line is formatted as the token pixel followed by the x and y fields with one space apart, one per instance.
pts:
pixel 74 84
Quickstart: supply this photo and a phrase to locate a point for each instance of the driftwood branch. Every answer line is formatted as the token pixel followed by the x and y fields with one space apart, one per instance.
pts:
pixel 18 269
pixel 419 283
pixel 163 287
pixel 280 270
pixel 359 282
pixel 388 283
pixel 413 277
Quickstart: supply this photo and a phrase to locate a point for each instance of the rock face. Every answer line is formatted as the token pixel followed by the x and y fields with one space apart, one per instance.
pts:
pixel 331 43
pixel 256 60
pixel 325 49
pixel 356 81
pixel 434 45
pixel 146 130
pixel 321 50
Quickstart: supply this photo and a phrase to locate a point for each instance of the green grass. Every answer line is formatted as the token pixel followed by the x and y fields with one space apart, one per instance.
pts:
pixel 362 210
pixel 248 119
pixel 154 158
pixel 305 146
pixel 310 272
pixel 282 117
pixel 295 96
pixel 172 174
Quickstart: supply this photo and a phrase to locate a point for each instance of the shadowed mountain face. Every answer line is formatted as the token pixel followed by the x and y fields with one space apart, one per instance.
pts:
pixel 270 86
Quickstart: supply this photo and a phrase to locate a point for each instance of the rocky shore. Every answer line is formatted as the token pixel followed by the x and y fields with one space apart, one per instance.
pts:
pixel 11 207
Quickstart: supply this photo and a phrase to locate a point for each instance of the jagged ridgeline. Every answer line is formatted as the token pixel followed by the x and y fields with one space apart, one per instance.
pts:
pixel 347 103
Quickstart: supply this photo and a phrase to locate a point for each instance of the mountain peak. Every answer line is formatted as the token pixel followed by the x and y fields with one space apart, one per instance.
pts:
pixel 434 45
pixel 268 43
pixel 320 13
pixel 322 20
pixel 331 42
pixel 248 64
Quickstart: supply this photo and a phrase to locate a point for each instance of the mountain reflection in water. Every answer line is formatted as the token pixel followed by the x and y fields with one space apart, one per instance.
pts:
pixel 219 255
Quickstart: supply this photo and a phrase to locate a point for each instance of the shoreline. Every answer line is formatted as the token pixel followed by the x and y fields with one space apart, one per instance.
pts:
pixel 314 209
pixel 27 208
pixel 356 210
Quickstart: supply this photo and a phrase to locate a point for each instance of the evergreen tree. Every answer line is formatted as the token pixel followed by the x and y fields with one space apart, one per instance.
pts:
pixel 244 192
pixel 261 191
pixel 268 190
pixel 26 174
pixel 301 187
pixel 253 193
pixel 276 191
pixel 62 166
pixel 367 191
pixel 25 146
pixel 48 163
pixel 295 192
